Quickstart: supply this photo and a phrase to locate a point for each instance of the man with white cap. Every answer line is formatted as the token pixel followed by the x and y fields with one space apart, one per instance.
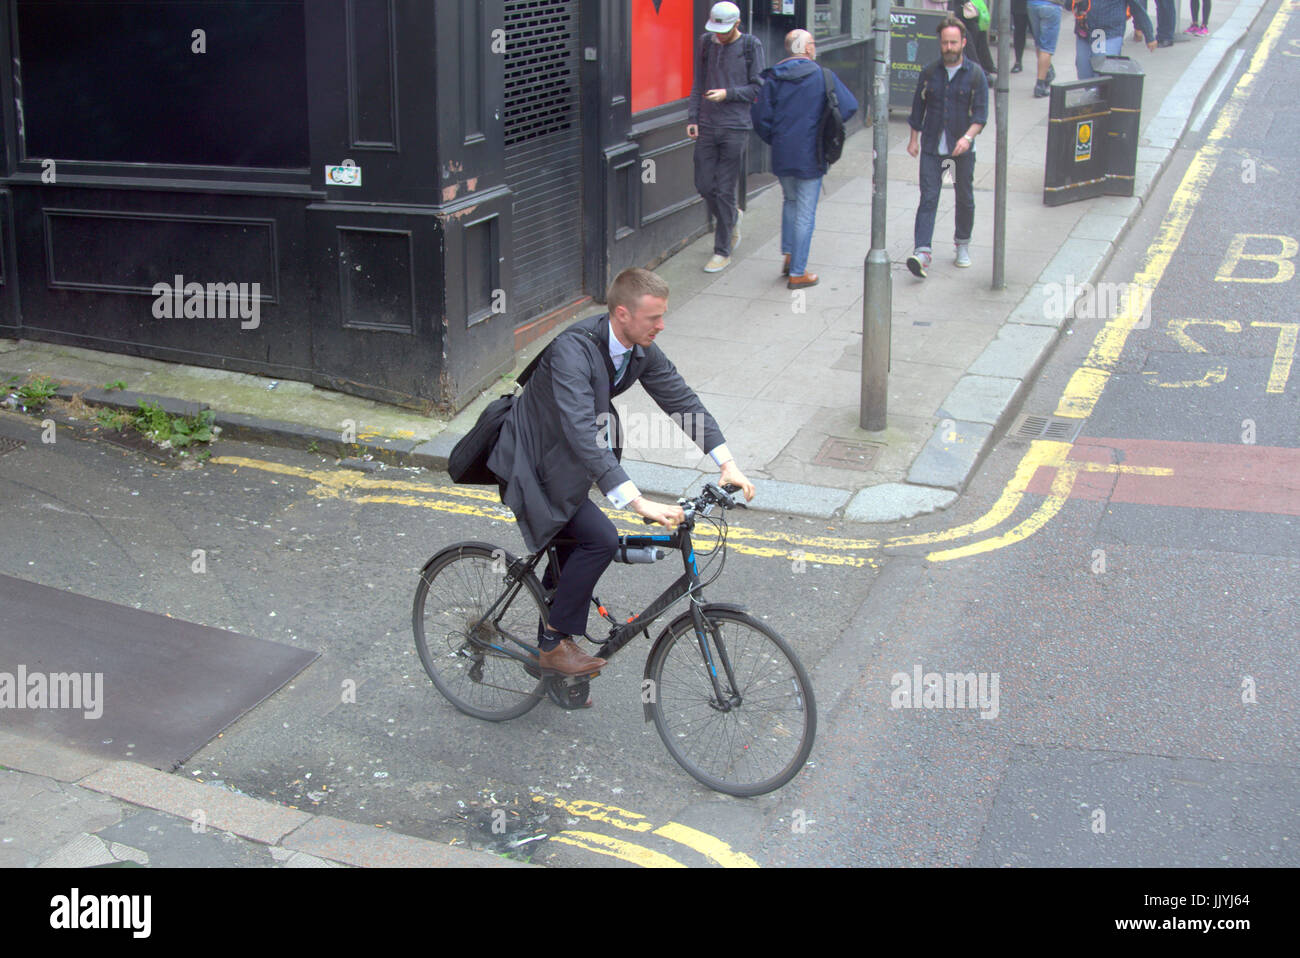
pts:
pixel 728 76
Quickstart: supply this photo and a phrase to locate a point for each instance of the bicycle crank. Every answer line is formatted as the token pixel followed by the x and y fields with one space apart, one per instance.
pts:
pixel 570 693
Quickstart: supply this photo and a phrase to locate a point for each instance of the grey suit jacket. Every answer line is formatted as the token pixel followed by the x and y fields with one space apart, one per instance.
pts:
pixel 556 441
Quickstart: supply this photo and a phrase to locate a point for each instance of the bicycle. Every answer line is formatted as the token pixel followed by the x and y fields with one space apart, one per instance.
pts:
pixel 728 696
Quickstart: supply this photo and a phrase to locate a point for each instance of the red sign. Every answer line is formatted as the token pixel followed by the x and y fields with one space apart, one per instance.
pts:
pixel 663 52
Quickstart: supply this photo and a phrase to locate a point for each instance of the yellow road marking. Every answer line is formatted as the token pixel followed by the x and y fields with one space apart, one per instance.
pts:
pixel 1062 485
pixel 1041 452
pixel 1178 331
pixel 598 812
pixel 1086 385
pixel 1281 259
pixel 1283 356
pixel 1212 377
pixel 627 851
pixel 714 849
pixel 342 484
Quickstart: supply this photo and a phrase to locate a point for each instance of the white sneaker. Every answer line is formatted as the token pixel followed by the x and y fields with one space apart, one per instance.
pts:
pixel 717 264
pixel 963 255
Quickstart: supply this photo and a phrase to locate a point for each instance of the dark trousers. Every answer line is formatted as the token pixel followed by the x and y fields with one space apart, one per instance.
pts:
pixel 1019 28
pixel 963 169
pixel 1166 14
pixel 718 155
pixel 581 566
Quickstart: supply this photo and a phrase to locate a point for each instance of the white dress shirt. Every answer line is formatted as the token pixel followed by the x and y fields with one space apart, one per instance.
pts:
pixel 623 494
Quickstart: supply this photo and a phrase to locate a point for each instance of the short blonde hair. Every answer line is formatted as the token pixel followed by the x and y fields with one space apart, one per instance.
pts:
pixel 630 285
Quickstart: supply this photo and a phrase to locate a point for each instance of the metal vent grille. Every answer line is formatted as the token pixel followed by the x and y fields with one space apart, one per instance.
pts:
pixel 541 84
pixel 1047 427
pixel 543 155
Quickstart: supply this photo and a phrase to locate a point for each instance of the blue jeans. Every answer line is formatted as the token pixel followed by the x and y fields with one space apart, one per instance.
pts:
pixel 1045 22
pixel 798 217
pixel 963 168
pixel 1083 54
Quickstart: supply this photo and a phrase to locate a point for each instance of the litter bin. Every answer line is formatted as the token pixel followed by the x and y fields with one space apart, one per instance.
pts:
pixel 1126 79
pixel 1077 130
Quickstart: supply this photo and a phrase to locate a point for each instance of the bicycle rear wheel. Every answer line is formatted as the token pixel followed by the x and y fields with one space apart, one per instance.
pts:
pixel 761 736
pixel 470 663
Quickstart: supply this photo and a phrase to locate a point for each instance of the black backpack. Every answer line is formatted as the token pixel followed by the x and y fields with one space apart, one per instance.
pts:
pixel 830 132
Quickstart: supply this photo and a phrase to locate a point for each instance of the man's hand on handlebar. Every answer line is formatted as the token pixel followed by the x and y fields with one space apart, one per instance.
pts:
pixel 668 516
pixel 731 475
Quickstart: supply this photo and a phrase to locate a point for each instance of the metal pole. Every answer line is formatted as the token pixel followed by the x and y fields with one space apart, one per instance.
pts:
pixel 877 292
pixel 1001 104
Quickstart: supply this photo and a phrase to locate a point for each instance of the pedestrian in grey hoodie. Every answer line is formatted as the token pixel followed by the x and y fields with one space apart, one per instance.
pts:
pixel 728 75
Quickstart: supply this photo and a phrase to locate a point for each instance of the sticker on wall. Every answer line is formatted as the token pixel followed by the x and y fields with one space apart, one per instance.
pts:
pixel 1083 142
pixel 346 174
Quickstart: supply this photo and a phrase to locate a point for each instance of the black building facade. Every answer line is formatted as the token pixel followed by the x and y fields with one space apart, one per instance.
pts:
pixel 384 197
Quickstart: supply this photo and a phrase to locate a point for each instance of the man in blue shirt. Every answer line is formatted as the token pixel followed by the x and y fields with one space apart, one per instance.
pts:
pixel 949 109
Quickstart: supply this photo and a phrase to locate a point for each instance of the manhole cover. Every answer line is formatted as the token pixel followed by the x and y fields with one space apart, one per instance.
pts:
pixel 9 445
pixel 1047 427
pixel 847 454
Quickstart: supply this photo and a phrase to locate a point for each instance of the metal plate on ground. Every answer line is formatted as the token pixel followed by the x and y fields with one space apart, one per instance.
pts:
pixel 847 454
pixel 128 684
pixel 1047 427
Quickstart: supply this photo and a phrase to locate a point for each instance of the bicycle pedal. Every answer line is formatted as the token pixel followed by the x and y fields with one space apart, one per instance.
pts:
pixel 583 676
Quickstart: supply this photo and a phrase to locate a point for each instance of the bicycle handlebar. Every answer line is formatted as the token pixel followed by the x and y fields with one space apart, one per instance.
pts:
pixel 709 496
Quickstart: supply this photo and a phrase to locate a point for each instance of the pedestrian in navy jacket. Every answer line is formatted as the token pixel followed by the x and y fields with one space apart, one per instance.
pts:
pixel 788 116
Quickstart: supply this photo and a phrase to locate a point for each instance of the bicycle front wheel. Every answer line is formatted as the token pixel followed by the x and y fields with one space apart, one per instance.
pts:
pixel 758 736
pixel 469 658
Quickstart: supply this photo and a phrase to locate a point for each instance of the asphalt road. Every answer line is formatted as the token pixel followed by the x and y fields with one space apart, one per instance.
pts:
pixel 1130 607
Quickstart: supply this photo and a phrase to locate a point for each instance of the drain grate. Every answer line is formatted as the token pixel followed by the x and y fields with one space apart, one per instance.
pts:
pixel 847 454
pixel 10 445
pixel 1047 427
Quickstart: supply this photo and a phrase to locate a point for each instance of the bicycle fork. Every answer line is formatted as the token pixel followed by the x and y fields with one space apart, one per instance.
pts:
pixel 704 628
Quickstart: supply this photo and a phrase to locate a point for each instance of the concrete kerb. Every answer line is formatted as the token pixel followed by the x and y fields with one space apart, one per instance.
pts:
pixel 950 456
pixel 259 821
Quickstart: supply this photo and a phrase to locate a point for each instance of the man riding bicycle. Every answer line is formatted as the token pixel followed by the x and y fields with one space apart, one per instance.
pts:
pixel 557 441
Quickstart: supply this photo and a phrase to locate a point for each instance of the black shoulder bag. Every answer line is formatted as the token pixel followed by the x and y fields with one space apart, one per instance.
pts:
pixel 467 463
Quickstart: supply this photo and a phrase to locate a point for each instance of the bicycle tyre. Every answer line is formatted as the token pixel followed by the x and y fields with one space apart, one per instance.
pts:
pixel 456 588
pixel 777 715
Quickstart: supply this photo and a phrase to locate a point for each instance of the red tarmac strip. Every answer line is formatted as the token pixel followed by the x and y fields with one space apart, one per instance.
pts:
pixel 1241 478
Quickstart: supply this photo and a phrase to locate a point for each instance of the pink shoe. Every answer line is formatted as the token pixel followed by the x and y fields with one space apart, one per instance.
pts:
pixel 1203 31
pixel 1194 30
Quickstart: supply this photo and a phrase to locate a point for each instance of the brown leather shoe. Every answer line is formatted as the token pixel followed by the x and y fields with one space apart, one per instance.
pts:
pixel 799 282
pixel 785 268
pixel 567 659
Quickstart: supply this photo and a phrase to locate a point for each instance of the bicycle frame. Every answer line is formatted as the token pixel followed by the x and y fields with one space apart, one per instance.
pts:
pixel 688 584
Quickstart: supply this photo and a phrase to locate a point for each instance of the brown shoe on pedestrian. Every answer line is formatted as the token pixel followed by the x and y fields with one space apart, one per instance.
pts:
pixel 785 268
pixel 799 282
pixel 567 659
